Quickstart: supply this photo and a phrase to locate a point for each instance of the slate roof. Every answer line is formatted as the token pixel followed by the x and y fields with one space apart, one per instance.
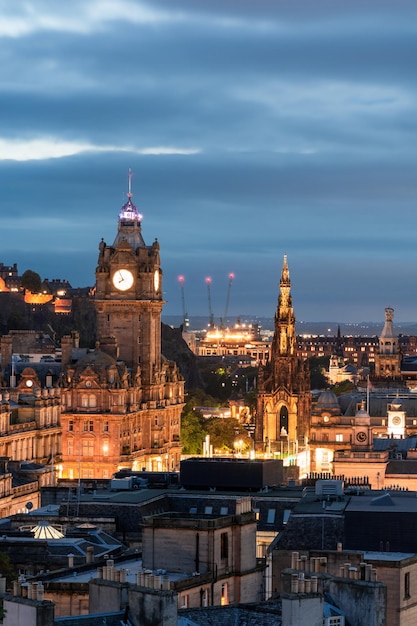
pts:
pixel 401 445
pixel 109 619
pixel 378 403
pixel 402 467
pixel 262 614
pixel 42 370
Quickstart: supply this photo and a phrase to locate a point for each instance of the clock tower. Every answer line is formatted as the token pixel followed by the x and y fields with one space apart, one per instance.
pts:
pixel 396 421
pixel 128 295
pixel 361 430
pixel 122 401
pixel 388 357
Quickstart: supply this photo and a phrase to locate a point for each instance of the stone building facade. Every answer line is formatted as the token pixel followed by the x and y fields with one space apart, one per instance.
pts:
pixel 220 551
pixel 121 402
pixel 284 399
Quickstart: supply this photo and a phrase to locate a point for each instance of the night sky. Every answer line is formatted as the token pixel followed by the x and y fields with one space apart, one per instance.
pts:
pixel 253 129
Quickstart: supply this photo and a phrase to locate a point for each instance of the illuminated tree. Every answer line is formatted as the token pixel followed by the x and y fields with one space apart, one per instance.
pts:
pixel 192 432
pixel 224 432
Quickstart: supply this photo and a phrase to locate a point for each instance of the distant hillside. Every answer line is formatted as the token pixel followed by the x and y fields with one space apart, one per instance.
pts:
pixel 15 314
pixel 364 329
pixel 174 348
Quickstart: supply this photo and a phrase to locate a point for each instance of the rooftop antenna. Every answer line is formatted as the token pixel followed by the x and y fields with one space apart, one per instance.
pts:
pixel 211 318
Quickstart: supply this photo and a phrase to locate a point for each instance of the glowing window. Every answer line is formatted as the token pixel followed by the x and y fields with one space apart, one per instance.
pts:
pixel 88 447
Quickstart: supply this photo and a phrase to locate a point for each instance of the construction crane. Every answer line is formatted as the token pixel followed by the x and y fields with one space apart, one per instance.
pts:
pixel 229 288
pixel 185 318
pixel 211 318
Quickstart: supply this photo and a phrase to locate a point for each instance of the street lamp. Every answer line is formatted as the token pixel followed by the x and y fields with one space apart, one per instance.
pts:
pixel 238 444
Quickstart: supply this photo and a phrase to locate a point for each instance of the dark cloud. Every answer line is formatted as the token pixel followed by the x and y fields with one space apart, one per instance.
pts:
pixel 302 118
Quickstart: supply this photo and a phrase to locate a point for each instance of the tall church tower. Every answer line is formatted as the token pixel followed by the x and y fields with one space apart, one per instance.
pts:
pixel 128 297
pixel 388 358
pixel 122 401
pixel 284 399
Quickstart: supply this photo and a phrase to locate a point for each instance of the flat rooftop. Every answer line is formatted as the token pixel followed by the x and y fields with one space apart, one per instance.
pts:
pixel 384 501
pixel 131 566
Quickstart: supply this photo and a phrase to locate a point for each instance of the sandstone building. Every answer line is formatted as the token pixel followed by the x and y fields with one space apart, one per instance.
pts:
pixel 284 399
pixel 121 403
pixel 92 411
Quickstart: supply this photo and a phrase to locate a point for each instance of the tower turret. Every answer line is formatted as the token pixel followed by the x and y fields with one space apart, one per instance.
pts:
pixel 388 358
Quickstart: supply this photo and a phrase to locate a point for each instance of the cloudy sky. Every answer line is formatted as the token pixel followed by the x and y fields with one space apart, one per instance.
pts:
pixel 254 129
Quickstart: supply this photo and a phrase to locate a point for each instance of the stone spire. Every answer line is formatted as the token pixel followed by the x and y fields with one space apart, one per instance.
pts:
pixel 129 228
pixel 284 398
pixel 284 339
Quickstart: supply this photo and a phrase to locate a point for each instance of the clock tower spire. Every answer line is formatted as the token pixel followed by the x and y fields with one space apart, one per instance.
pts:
pixel 128 296
pixel 130 222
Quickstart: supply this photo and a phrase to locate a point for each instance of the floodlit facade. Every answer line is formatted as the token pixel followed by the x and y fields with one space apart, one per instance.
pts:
pixel 121 403
pixel 284 399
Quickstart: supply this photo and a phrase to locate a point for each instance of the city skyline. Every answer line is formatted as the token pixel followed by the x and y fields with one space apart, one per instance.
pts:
pixel 252 132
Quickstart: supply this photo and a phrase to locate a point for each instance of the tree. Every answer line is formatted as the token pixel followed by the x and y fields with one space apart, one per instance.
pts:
pixel 192 432
pixel 31 281
pixel 251 400
pixel 343 387
pixel 224 432
pixel 198 397
pixel 318 365
pixel 218 383
pixel 6 569
pixel 16 321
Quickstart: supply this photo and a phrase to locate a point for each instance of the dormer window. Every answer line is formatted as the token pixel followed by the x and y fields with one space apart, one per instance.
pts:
pixel 88 401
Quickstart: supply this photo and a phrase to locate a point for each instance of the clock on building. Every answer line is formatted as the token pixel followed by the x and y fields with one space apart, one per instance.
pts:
pixel 361 436
pixel 123 279
pixel 396 420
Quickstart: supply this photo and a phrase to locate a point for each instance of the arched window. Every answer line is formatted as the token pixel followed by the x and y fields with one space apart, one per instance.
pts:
pixel 283 420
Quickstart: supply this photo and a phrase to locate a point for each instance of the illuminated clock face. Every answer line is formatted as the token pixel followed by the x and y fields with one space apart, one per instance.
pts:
pixel 123 279
pixel 361 436
pixel 29 383
pixel 156 280
pixel 396 420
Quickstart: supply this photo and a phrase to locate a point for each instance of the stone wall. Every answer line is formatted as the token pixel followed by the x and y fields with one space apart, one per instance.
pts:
pixel 146 606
